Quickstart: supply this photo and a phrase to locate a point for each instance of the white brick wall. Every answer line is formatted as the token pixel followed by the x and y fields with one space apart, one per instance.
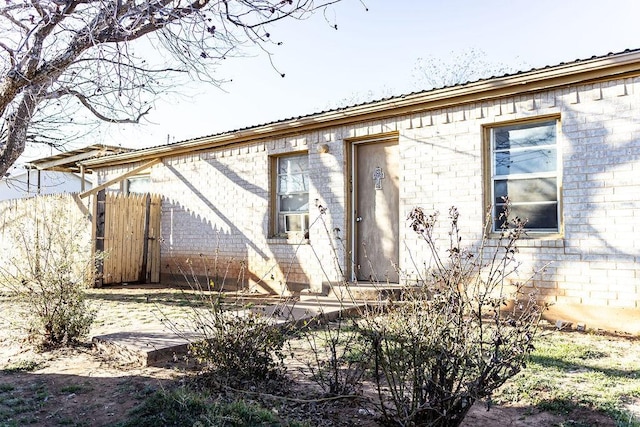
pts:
pixel 218 202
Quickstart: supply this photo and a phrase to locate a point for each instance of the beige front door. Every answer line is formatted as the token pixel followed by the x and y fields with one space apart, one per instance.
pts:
pixel 376 211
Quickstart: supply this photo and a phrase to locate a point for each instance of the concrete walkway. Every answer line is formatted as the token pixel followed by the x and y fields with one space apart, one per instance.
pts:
pixel 148 347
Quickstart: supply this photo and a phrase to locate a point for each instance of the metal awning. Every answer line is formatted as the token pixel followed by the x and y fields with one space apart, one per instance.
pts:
pixel 69 160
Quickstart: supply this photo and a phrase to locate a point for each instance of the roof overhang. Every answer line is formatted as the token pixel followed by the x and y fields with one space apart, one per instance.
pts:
pixel 69 161
pixel 625 64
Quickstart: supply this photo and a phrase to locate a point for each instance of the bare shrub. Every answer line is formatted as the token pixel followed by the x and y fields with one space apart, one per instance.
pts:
pixel 235 347
pixel 335 356
pixel 460 336
pixel 334 353
pixel 49 267
pixel 234 341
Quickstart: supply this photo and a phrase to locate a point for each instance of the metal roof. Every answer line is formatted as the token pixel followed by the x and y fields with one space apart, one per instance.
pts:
pixel 564 73
pixel 68 161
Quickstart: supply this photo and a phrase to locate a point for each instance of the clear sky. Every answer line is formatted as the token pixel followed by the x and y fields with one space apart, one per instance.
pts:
pixel 376 50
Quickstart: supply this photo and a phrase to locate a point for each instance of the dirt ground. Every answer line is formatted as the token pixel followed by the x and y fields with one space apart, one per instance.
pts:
pixel 82 387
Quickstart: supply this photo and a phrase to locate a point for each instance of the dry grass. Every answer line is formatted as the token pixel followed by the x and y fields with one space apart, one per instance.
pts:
pixel 572 372
pixel 576 379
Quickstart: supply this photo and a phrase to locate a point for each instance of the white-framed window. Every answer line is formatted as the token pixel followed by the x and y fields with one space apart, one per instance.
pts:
pixel 525 168
pixel 292 194
pixel 140 184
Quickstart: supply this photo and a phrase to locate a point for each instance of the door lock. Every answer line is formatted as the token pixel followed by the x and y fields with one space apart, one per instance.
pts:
pixel 358 219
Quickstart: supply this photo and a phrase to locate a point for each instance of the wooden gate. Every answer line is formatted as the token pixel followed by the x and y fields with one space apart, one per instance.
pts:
pixel 126 228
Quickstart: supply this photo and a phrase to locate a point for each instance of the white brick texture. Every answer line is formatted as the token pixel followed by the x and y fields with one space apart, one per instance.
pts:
pixel 217 205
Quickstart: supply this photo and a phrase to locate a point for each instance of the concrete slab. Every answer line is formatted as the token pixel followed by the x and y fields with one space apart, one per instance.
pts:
pixel 154 346
pixel 143 347
pixel 159 344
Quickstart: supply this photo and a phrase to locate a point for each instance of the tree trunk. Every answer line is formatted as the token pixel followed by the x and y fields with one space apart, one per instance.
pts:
pixel 17 126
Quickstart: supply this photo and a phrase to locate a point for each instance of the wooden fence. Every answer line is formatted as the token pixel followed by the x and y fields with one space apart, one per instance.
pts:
pixel 31 226
pixel 127 229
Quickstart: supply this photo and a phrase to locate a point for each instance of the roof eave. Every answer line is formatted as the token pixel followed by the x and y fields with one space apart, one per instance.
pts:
pixel 68 161
pixel 604 68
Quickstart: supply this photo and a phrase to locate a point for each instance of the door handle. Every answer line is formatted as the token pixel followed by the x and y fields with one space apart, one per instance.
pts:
pixel 358 219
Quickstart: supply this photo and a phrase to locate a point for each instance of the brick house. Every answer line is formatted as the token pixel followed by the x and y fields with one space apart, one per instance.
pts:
pixel 312 200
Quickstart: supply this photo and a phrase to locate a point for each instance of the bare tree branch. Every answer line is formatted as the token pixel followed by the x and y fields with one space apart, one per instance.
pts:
pixel 458 67
pixel 132 66
pixel 88 51
pixel 83 99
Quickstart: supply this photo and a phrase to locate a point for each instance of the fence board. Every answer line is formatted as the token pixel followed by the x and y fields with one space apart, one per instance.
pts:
pixel 153 270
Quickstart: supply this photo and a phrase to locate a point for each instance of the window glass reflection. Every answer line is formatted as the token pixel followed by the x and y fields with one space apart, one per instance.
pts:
pixel 527 161
pixel 526 135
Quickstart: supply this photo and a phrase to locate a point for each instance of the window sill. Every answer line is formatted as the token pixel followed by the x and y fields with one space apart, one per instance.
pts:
pixel 536 240
pixel 284 240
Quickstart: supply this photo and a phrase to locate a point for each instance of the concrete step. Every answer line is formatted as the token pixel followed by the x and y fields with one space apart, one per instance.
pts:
pixel 368 292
